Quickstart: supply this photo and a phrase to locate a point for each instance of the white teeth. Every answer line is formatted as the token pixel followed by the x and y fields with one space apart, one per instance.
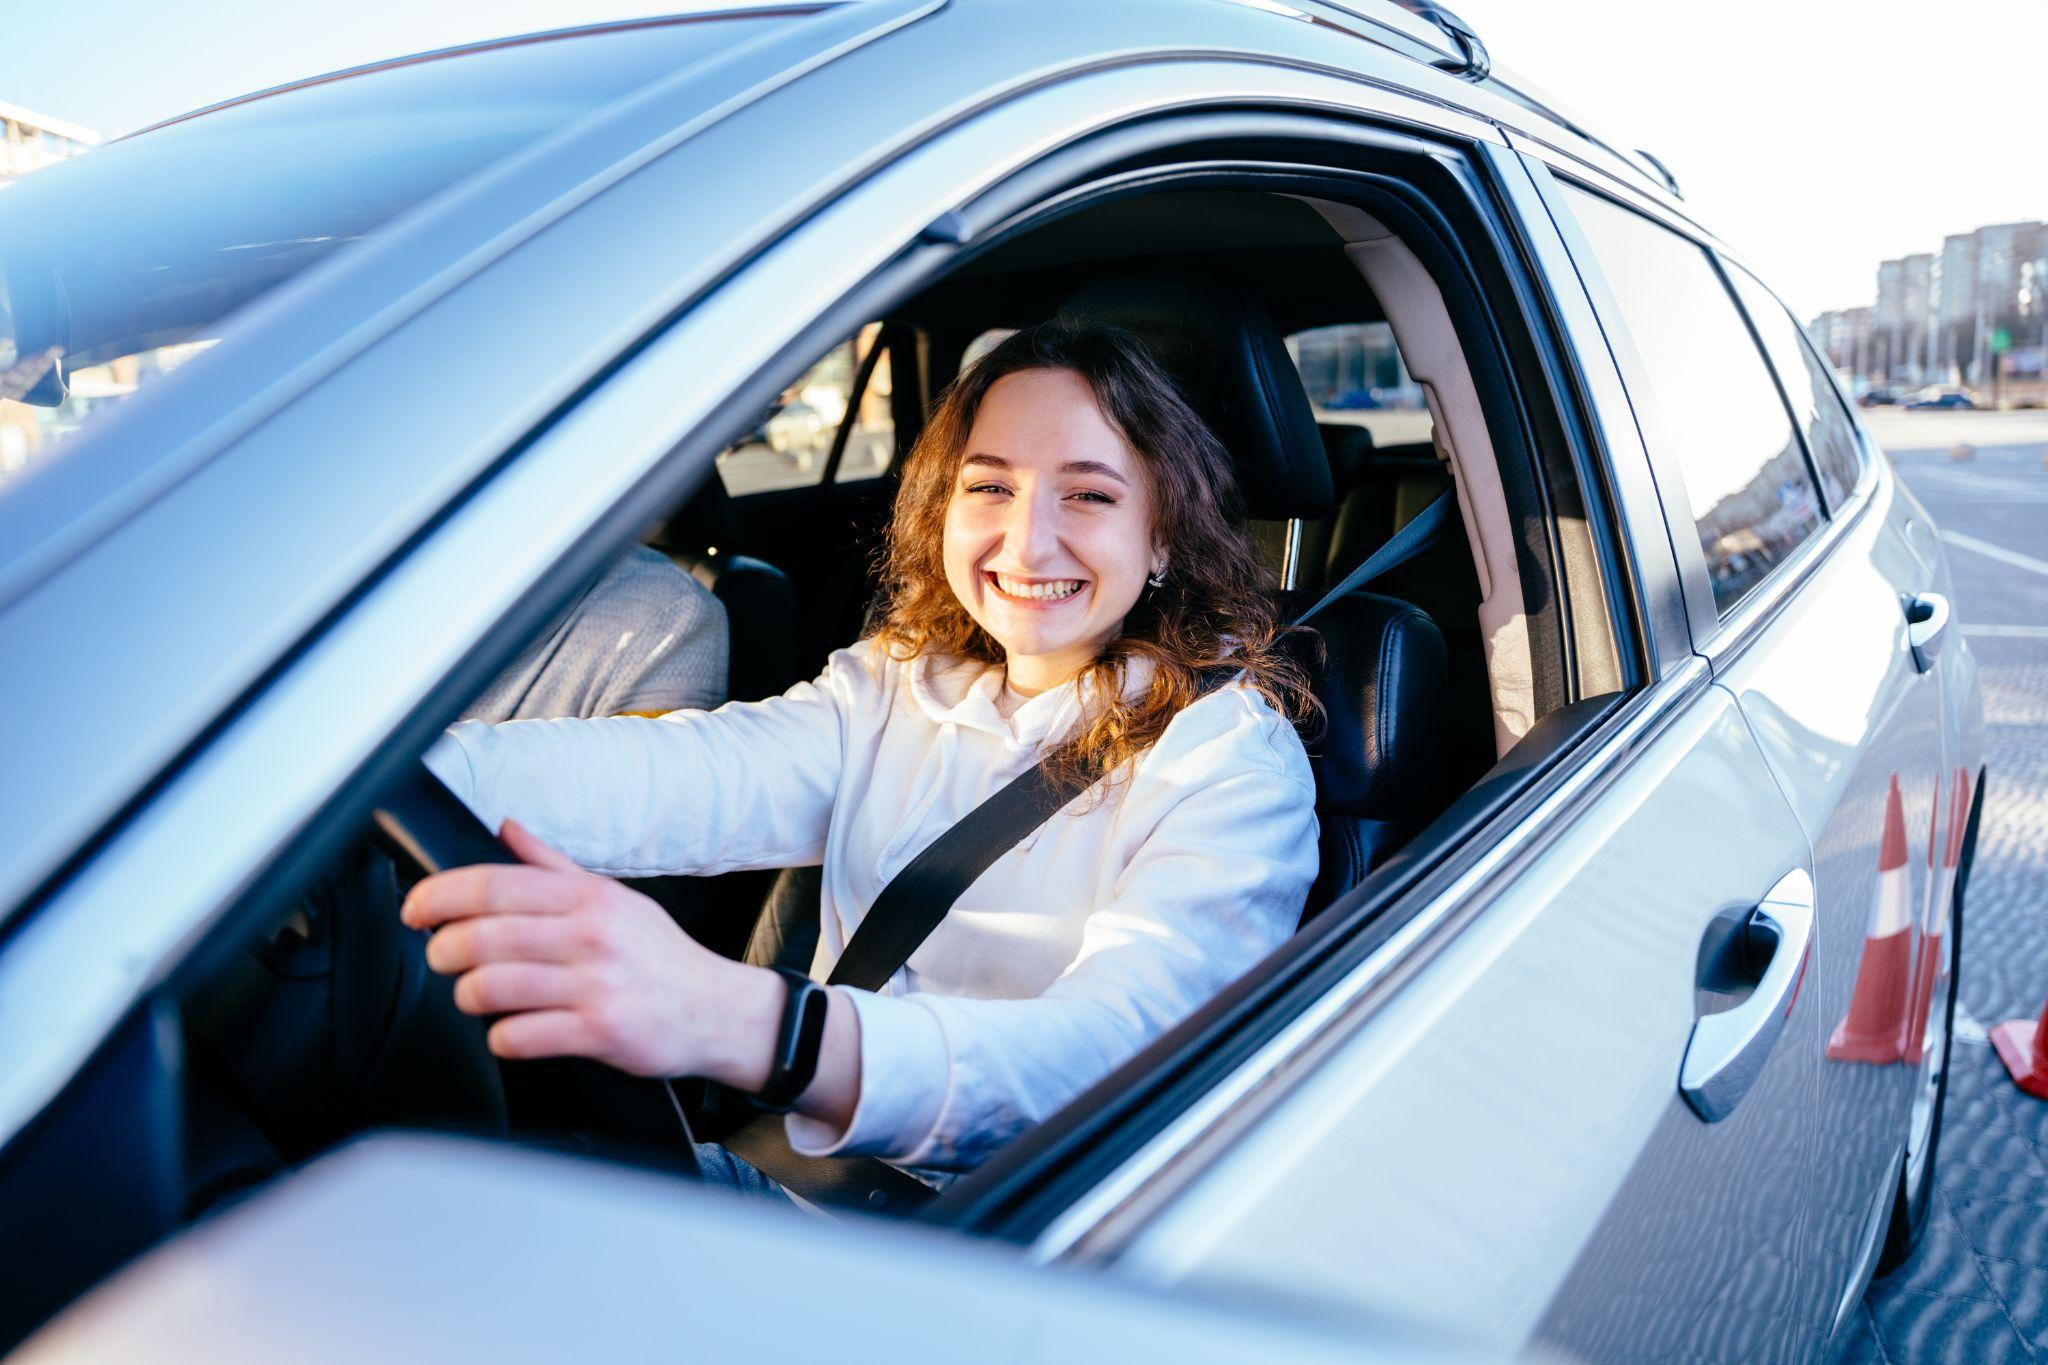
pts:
pixel 1049 591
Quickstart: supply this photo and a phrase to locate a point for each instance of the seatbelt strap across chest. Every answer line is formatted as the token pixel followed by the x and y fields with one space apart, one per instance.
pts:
pixel 919 896
pixel 913 904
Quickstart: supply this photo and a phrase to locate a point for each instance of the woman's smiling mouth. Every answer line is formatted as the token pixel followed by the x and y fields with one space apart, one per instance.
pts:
pixel 1038 590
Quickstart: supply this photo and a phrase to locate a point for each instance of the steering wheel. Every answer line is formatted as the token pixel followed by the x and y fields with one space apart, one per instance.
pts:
pixel 426 827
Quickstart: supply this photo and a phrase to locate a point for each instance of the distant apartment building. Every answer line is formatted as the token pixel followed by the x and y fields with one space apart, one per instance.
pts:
pixel 29 141
pixel 1973 313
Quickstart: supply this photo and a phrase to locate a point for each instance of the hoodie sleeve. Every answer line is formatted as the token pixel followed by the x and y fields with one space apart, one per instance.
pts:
pixel 749 785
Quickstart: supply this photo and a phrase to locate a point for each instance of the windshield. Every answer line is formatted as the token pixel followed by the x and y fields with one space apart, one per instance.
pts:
pixel 118 265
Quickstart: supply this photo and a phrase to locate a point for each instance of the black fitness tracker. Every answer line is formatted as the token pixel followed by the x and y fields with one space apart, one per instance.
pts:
pixel 797 1040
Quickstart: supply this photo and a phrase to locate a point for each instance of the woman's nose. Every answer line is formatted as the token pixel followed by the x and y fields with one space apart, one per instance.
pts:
pixel 1029 532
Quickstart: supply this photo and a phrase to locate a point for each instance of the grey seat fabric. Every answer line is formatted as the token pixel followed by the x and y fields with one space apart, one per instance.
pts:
pixel 644 639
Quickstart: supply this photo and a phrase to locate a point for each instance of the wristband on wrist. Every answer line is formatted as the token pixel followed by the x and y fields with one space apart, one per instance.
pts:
pixel 797 1041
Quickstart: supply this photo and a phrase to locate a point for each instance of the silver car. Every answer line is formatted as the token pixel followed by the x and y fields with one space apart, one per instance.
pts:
pixel 1618 1019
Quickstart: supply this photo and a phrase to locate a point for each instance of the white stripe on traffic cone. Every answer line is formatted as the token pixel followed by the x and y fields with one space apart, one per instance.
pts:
pixel 1877 1008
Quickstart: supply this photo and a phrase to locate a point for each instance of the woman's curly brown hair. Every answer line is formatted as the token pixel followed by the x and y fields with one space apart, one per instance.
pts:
pixel 1210 622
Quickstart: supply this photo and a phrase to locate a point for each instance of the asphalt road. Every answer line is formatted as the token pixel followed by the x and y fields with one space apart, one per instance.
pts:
pixel 1977 1290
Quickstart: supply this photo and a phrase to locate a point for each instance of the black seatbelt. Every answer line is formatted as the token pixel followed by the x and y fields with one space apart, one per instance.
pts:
pixel 902 917
pixel 1418 535
pixel 919 897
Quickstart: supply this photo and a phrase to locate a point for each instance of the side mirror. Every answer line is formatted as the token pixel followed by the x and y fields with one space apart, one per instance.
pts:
pixel 30 373
pixel 36 379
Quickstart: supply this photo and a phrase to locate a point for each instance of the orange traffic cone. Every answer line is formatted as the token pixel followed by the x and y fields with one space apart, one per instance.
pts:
pixel 1870 1032
pixel 2023 1046
pixel 1931 933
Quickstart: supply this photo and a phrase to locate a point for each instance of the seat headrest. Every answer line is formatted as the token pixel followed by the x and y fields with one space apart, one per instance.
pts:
pixel 1383 685
pixel 1350 451
pixel 1223 350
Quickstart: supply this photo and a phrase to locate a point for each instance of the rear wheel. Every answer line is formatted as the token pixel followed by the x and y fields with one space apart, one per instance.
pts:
pixel 1915 1194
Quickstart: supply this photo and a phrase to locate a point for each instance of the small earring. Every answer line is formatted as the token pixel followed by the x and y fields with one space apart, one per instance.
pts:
pixel 1158 578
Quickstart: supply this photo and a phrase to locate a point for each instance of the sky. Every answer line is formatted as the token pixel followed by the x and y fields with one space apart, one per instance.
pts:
pixel 1816 137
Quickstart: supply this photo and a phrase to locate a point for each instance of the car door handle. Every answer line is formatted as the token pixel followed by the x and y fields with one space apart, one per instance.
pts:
pixel 1926 625
pixel 1727 1050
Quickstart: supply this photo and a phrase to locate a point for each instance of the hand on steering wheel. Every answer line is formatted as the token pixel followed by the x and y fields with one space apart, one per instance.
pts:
pixel 426 826
pixel 578 965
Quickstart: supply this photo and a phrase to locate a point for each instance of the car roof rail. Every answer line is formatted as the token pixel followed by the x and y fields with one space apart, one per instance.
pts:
pixel 1663 173
pixel 1472 63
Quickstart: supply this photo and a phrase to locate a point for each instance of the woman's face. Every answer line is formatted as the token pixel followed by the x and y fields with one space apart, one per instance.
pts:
pixel 1049 529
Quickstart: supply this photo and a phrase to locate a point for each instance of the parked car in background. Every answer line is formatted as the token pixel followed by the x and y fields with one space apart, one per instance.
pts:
pixel 799 434
pixel 1939 396
pixel 1880 396
pixel 1618 1018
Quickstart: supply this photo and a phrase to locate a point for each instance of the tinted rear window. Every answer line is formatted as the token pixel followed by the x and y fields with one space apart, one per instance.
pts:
pixel 1730 439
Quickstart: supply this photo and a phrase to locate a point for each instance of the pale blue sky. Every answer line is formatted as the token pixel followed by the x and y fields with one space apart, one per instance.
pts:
pixel 1817 136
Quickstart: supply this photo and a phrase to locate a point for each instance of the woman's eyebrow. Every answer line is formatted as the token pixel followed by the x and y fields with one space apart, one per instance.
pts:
pixel 1096 467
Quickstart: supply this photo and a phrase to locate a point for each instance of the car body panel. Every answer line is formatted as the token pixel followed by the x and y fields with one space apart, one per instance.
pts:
pixel 562 1259
pixel 1831 689
pixel 1817 657
pixel 1501 1142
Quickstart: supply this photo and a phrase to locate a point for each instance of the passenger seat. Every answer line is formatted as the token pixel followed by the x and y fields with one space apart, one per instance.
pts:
pixel 760 604
pixel 1379 490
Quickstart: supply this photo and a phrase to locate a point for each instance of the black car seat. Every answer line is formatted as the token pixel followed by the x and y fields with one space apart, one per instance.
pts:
pixel 760 605
pixel 1382 679
pixel 1379 491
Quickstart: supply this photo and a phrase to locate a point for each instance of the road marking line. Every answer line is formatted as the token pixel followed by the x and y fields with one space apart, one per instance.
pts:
pixel 1967 1029
pixel 2008 632
pixel 1997 552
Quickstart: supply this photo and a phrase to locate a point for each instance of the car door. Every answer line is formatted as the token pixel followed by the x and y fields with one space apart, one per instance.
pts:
pixel 1803 611
pixel 1486 1119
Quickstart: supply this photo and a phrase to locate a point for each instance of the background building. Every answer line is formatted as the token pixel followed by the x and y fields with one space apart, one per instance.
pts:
pixel 29 140
pixel 1973 314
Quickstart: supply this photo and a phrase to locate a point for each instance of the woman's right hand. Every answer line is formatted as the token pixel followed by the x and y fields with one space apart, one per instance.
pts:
pixel 577 965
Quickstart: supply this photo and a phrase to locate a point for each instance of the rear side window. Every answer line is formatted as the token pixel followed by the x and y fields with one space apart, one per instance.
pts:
pixel 790 442
pixel 1746 482
pixel 1354 376
pixel 1816 403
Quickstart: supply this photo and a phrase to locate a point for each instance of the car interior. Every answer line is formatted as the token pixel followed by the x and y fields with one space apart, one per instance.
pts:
pixel 1348 367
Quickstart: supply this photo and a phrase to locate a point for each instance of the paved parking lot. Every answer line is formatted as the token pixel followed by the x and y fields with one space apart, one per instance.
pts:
pixel 1978 1289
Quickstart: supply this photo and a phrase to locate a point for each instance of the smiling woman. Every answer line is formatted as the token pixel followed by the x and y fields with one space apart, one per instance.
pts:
pixel 1070 588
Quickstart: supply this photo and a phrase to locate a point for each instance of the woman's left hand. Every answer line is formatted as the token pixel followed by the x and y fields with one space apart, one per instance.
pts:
pixel 581 966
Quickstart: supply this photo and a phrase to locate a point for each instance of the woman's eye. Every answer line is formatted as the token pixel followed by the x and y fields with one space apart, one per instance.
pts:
pixel 1090 495
pixel 986 488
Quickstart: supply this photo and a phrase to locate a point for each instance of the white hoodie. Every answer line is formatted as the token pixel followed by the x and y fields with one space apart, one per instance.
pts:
pixel 1076 948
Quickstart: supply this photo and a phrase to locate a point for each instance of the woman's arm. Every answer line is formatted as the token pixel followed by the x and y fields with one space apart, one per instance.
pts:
pixel 748 785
